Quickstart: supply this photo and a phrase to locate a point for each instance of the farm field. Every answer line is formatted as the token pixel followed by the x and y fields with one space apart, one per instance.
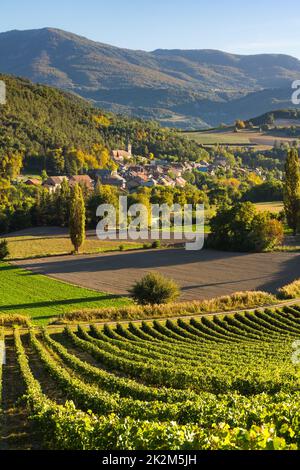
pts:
pixel 41 298
pixel 223 382
pixel 53 241
pixel 201 274
pixel 43 242
pixel 261 140
pixel 218 137
pixel 274 207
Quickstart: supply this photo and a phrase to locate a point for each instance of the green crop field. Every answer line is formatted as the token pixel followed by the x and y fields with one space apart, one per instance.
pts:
pixel 27 247
pixel 214 138
pixel 222 382
pixel 227 136
pixel 41 297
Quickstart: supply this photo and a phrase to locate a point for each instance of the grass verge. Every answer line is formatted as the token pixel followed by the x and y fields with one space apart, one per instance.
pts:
pixel 32 247
pixel 291 291
pixel 41 298
pixel 10 319
pixel 237 301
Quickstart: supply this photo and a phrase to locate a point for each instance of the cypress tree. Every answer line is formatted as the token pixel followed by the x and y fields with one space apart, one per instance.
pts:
pixel 62 202
pixel 77 218
pixel 292 189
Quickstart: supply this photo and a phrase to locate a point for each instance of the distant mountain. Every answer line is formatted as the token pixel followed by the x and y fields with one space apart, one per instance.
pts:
pixel 184 88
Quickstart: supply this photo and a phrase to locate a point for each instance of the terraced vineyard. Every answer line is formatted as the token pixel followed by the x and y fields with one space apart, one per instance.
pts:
pixel 223 382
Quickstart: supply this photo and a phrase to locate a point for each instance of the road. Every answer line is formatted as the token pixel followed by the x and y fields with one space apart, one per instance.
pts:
pixel 201 275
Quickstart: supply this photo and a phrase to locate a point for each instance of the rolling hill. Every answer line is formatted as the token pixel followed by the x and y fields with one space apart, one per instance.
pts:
pixel 184 88
pixel 38 119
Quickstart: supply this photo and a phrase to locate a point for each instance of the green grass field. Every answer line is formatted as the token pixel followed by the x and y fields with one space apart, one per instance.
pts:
pixel 215 138
pixel 227 136
pixel 26 247
pixel 42 298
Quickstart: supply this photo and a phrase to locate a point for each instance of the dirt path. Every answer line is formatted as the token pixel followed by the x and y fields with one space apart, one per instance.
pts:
pixel 201 274
pixel 48 384
pixel 77 352
pixel 17 432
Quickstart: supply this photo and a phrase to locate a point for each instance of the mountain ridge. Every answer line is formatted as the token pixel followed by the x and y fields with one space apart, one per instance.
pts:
pixel 174 86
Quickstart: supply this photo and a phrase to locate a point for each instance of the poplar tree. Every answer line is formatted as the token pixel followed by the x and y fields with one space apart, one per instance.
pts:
pixel 292 190
pixel 77 218
pixel 62 203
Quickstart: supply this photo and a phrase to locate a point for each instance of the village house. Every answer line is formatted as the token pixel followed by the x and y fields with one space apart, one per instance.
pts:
pixel 53 183
pixel 175 171
pixel 99 174
pixel 114 179
pixel 82 180
pixel 166 181
pixel 180 182
pixel 122 155
pixel 33 182
pixel 151 183
pixel 138 169
pixel 136 180
pixel 133 184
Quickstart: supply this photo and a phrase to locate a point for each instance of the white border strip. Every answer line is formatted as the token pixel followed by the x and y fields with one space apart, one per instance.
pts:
pixel 2 353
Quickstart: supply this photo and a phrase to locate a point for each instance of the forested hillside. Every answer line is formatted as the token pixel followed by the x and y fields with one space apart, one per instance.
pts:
pixel 56 131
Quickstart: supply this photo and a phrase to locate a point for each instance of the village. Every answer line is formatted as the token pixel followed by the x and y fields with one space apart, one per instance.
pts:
pixel 134 172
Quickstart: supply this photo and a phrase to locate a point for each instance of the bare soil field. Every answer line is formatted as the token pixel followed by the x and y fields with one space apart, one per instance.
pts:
pixel 201 275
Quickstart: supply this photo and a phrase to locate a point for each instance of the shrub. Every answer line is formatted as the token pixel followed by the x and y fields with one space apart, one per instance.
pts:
pixel 155 289
pixel 267 233
pixel 242 228
pixel 122 247
pixel 4 251
pixel 156 244
pixel 291 291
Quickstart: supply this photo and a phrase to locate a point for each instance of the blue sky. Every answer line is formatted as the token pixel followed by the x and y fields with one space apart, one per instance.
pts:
pixel 230 25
